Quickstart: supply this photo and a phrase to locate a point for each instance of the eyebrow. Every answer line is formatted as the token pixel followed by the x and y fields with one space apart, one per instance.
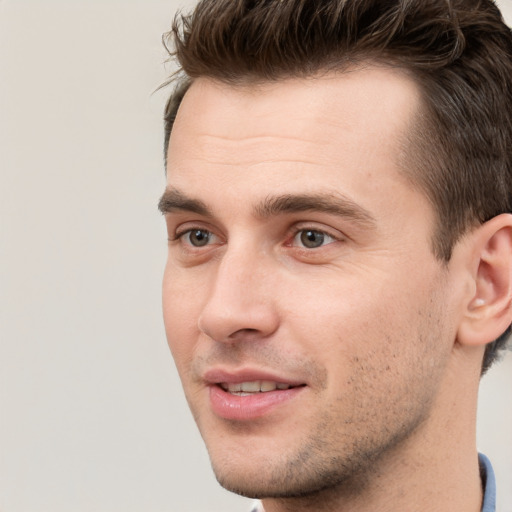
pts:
pixel 174 200
pixel 333 203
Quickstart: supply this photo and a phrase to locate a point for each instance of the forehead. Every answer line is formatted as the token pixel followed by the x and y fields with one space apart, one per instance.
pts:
pixel 349 125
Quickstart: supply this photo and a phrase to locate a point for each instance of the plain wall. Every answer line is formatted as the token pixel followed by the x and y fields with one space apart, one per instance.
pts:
pixel 92 416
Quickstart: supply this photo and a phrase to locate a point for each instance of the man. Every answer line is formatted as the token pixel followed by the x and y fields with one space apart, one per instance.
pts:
pixel 338 206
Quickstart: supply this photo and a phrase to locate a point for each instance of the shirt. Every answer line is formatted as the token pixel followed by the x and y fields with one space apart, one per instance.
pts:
pixel 488 484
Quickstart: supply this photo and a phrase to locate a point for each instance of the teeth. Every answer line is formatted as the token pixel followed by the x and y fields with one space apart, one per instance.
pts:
pixel 267 386
pixel 257 386
pixel 250 387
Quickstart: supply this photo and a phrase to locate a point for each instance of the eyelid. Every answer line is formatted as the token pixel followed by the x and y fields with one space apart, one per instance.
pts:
pixel 333 233
pixel 328 239
pixel 178 227
pixel 180 233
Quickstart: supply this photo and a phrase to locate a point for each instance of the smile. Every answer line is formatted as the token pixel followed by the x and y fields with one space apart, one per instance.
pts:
pixel 252 387
pixel 251 399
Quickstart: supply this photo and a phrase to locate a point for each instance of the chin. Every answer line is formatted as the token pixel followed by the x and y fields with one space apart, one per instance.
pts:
pixel 261 476
pixel 302 485
pixel 251 475
pixel 257 488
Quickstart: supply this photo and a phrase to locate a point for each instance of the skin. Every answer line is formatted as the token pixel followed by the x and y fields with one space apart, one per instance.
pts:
pixel 366 319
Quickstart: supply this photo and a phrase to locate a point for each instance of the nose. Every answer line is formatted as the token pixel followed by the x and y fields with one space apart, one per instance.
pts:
pixel 240 304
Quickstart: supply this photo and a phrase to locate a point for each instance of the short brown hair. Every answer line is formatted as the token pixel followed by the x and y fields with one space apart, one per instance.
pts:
pixel 459 52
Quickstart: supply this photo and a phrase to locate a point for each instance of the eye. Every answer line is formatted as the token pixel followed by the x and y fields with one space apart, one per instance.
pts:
pixel 197 237
pixel 312 238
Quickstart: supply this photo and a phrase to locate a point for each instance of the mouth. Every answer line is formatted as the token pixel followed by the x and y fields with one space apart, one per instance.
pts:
pixel 254 387
pixel 248 395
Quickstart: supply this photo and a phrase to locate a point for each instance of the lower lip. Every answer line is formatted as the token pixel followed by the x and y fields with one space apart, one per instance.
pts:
pixel 250 407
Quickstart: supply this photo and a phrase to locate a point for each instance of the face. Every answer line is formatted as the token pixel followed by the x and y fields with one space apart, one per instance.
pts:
pixel 306 313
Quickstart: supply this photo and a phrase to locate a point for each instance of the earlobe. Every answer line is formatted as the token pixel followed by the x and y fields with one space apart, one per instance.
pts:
pixel 489 311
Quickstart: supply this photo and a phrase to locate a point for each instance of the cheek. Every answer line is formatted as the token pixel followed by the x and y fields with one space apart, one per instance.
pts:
pixel 180 312
pixel 339 309
pixel 381 321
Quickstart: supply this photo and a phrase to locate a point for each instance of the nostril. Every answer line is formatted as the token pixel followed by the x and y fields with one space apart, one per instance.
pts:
pixel 245 333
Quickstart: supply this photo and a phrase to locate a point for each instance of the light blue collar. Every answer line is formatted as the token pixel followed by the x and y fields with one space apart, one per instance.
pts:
pixel 489 484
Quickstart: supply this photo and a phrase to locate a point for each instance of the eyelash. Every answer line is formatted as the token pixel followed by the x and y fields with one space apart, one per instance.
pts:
pixel 310 239
pixel 290 243
pixel 182 234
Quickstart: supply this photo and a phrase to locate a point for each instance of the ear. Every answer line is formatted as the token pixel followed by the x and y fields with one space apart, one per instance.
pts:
pixel 489 310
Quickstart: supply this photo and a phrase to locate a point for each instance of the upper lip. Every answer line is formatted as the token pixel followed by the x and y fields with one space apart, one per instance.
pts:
pixel 218 375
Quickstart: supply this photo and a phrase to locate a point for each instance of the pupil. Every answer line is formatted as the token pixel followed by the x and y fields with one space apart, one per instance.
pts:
pixel 312 239
pixel 199 238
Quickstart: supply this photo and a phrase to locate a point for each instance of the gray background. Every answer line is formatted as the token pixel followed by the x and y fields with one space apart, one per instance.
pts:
pixel 92 416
